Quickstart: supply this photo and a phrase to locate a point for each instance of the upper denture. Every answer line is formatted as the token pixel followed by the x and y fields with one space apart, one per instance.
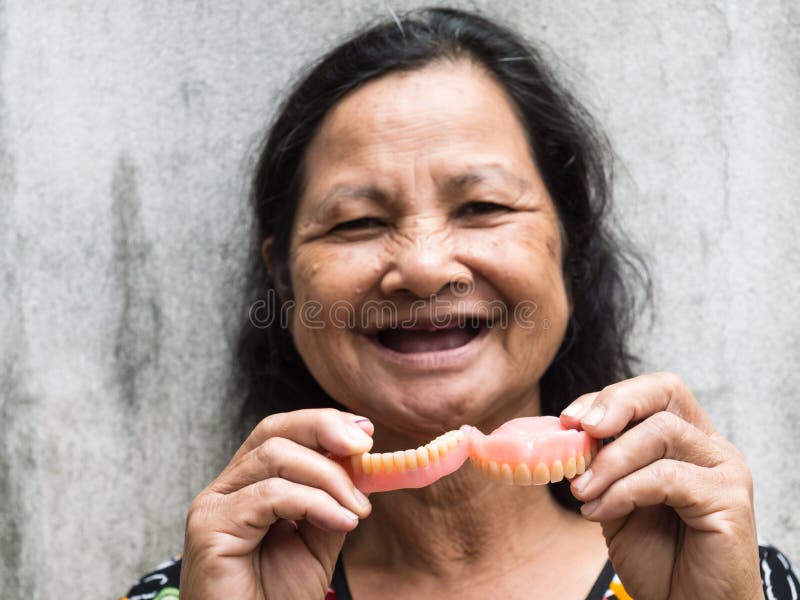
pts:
pixel 539 445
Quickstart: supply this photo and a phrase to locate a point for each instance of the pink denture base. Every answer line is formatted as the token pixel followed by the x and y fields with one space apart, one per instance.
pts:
pixel 524 443
pixel 531 440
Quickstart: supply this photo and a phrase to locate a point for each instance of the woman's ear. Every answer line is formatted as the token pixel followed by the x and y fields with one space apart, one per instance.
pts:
pixel 276 272
pixel 266 251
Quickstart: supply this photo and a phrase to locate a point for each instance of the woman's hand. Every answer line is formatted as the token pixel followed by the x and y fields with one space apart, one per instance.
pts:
pixel 273 523
pixel 674 497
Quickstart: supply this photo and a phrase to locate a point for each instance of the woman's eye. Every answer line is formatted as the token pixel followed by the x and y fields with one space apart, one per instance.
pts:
pixel 357 224
pixel 482 208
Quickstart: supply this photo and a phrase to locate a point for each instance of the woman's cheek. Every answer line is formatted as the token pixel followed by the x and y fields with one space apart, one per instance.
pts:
pixel 330 284
pixel 320 274
pixel 322 325
pixel 540 306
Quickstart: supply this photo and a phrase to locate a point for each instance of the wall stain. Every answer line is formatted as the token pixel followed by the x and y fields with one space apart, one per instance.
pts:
pixel 14 405
pixel 193 94
pixel 138 332
pixel 16 460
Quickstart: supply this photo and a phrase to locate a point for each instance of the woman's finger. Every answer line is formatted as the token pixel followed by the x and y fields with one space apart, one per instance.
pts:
pixel 325 429
pixel 703 497
pixel 285 549
pixel 633 400
pixel 663 435
pixel 324 545
pixel 241 519
pixel 282 458
pixel 571 415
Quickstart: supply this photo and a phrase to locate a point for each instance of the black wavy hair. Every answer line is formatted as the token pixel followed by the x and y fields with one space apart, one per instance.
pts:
pixel 601 272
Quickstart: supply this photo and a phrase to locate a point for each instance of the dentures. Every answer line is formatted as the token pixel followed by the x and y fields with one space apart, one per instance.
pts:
pixel 381 472
pixel 525 451
pixel 532 451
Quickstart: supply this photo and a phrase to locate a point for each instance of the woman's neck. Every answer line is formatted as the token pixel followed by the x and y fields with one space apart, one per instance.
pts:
pixel 460 525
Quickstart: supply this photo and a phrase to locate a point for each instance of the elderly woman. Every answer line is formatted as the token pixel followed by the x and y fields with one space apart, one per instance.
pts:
pixel 432 165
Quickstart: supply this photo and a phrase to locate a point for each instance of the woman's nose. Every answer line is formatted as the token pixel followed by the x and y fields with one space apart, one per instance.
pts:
pixel 424 264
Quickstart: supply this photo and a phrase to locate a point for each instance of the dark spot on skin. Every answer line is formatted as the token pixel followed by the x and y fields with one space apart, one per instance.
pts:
pixel 136 339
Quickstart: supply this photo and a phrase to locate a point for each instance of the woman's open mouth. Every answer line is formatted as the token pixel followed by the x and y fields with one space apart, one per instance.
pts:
pixel 430 337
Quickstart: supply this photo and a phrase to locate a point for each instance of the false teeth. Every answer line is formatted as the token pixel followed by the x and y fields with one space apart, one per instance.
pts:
pixel 526 451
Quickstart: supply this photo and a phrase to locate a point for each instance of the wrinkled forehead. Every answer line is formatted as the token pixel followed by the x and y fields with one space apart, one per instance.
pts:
pixel 441 121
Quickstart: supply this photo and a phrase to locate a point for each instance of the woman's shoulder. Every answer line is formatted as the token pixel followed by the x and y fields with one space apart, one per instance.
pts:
pixel 159 584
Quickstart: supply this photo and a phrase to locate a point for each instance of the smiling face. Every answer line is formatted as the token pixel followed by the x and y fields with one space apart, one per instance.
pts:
pixel 422 208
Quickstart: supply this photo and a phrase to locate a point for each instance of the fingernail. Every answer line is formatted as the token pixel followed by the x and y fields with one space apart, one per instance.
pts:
pixel 361 420
pixel 357 435
pixel 588 508
pixel 350 515
pixel 594 417
pixel 573 410
pixel 361 499
pixel 582 481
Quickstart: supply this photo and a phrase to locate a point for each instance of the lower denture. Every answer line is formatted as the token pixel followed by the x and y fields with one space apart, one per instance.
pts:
pixel 524 451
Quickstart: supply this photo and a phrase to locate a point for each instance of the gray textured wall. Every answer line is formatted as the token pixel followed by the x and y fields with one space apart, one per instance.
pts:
pixel 125 130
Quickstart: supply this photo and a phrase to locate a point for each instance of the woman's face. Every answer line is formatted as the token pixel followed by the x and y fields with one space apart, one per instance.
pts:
pixel 422 208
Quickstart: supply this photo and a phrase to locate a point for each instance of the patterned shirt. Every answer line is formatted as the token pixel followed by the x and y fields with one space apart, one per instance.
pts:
pixel 778 577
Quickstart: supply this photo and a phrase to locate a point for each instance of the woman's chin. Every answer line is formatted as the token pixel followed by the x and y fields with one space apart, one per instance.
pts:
pixel 428 407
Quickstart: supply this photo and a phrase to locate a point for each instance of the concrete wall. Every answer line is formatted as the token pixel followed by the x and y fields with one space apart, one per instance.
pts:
pixel 125 132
